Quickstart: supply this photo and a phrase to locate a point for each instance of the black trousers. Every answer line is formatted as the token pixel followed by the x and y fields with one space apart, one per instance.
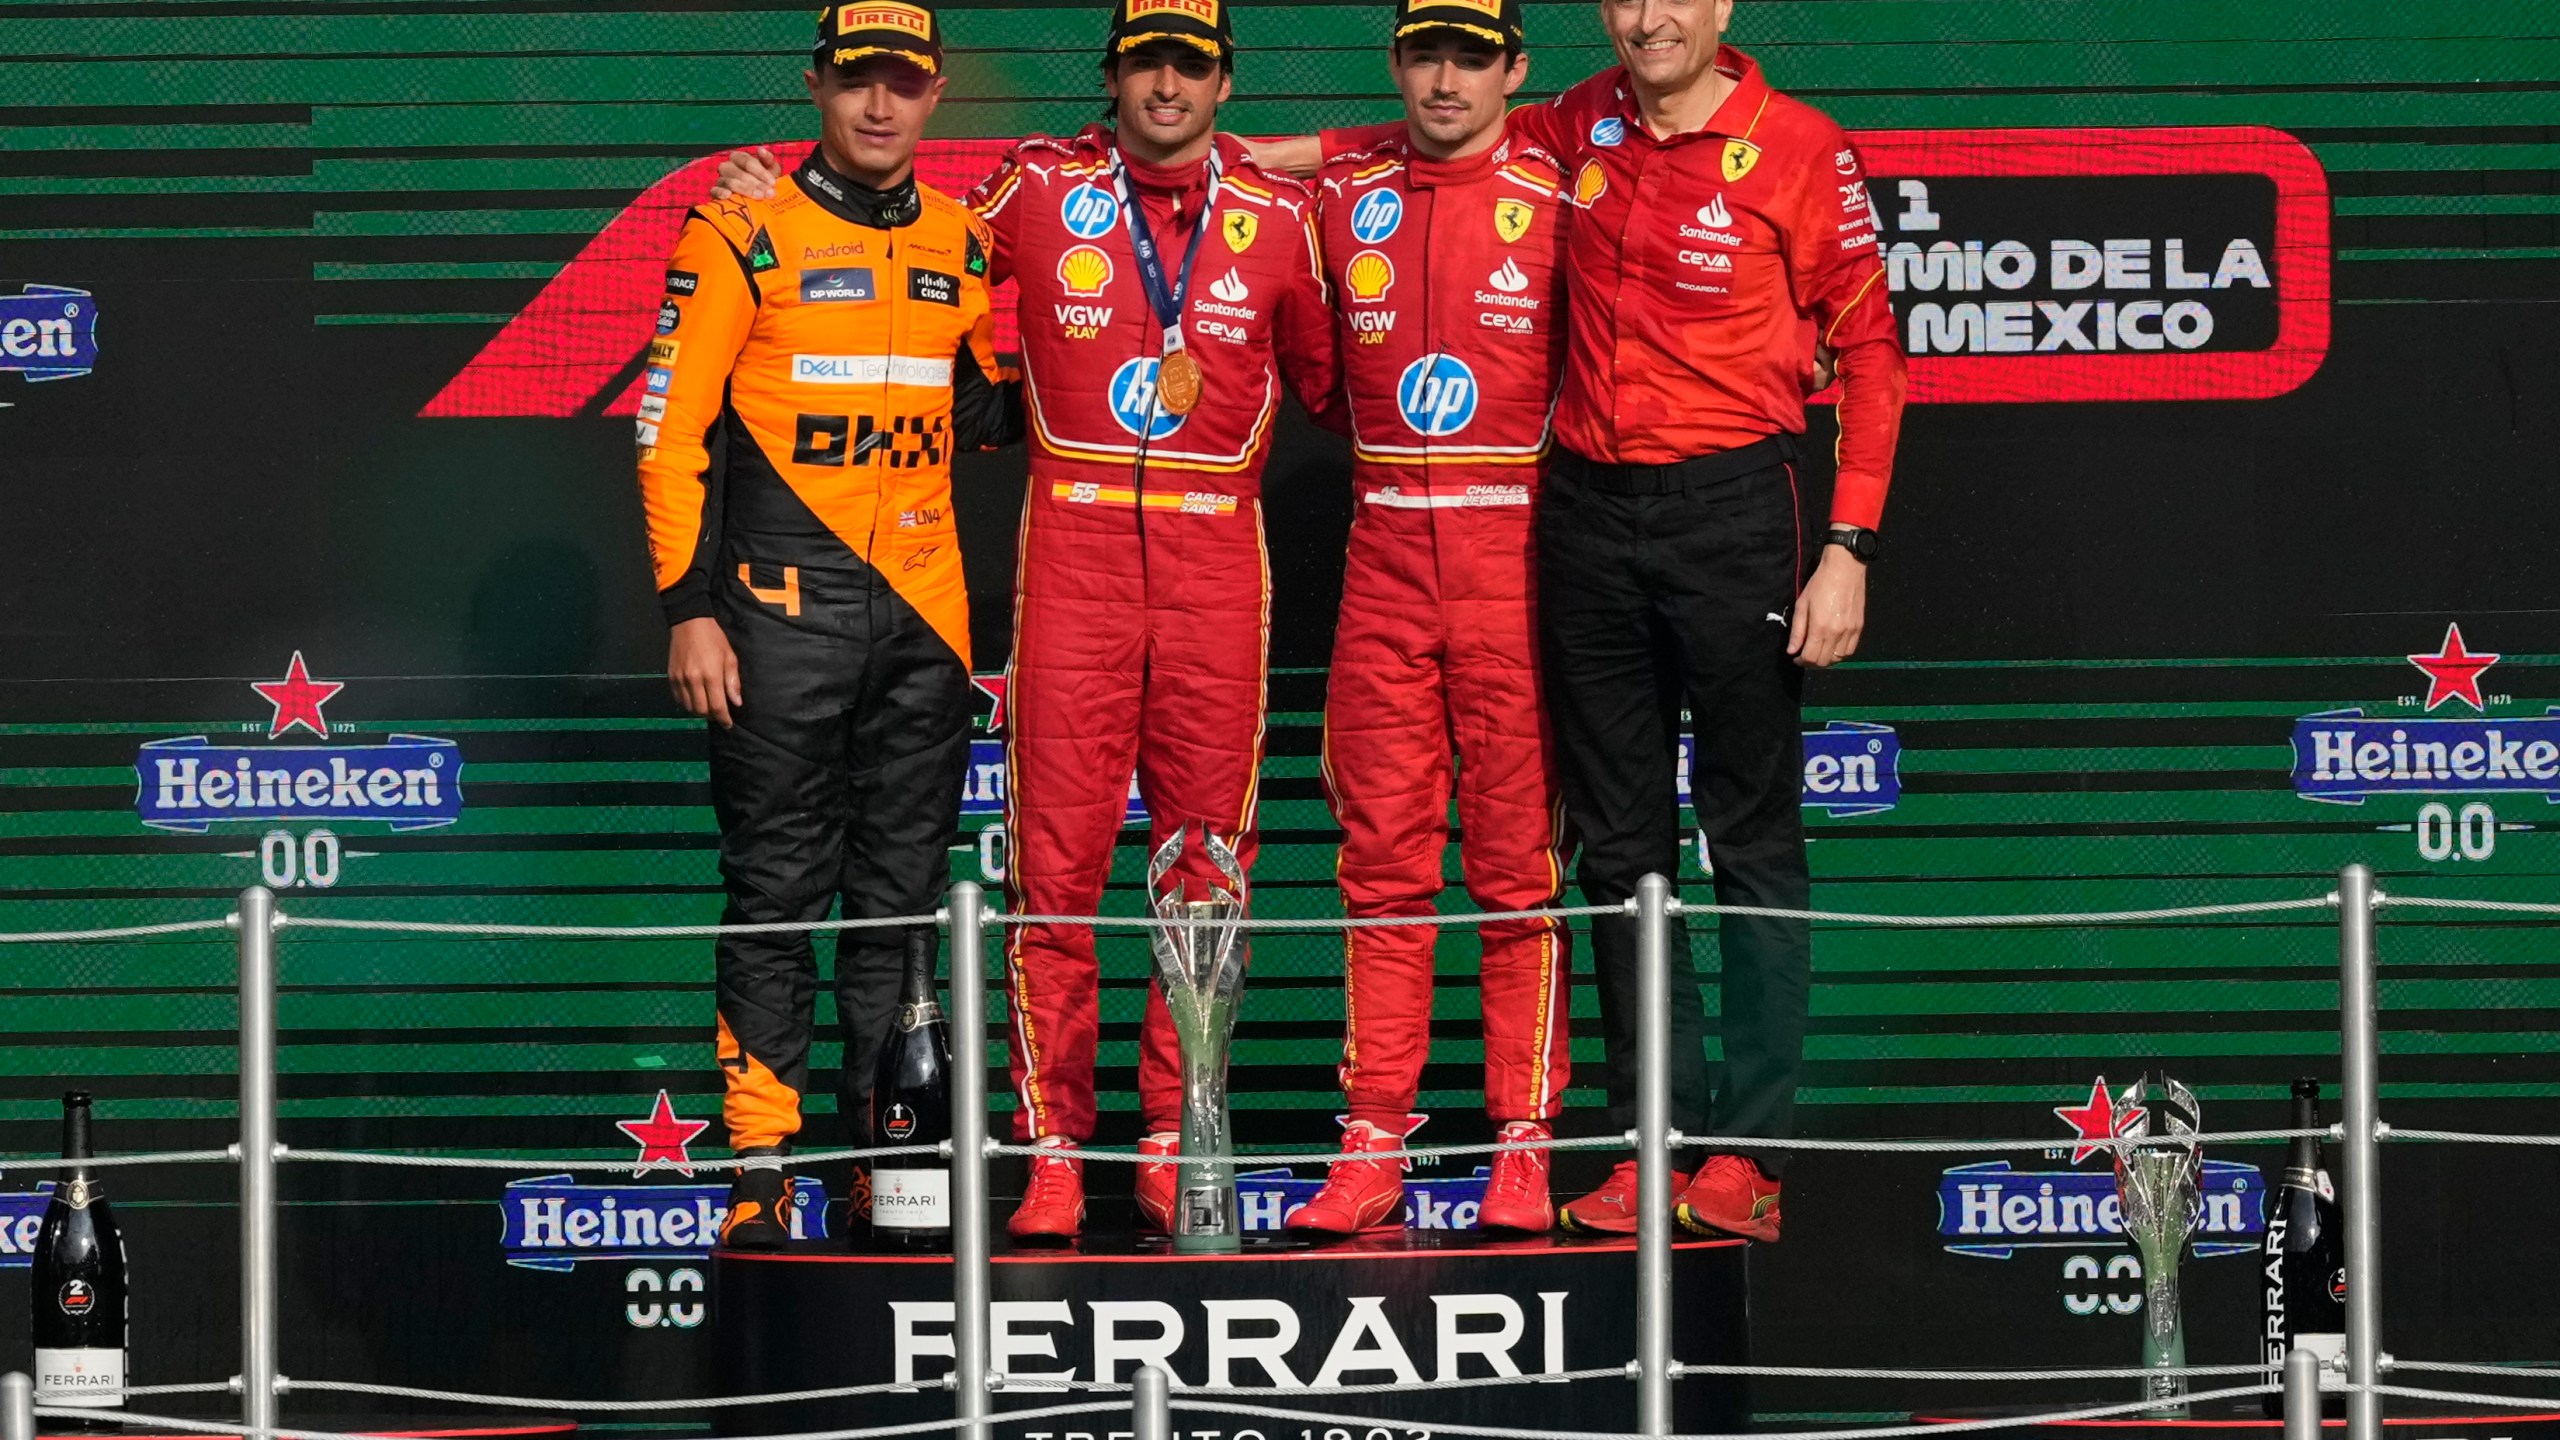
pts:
pixel 1659 587
pixel 840 778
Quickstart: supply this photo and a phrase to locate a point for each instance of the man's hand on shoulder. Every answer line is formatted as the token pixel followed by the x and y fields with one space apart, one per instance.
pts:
pixel 747 173
pixel 703 671
pixel 1832 612
pixel 1299 155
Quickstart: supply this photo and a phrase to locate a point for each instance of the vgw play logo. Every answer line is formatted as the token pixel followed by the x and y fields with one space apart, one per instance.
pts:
pixel 187 784
pixel 2344 757
pixel 1993 1211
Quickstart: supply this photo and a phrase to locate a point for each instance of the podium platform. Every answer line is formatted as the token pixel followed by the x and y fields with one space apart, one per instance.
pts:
pixel 1403 1308
pixel 2247 1420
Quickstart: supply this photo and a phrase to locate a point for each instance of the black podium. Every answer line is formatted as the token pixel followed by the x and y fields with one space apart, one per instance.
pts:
pixel 1405 1308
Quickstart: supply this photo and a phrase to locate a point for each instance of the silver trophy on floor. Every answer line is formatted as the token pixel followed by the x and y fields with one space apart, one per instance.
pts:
pixel 2160 1185
pixel 1200 961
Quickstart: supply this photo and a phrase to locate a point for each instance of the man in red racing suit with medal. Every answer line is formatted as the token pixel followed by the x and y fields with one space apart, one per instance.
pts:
pixel 1166 283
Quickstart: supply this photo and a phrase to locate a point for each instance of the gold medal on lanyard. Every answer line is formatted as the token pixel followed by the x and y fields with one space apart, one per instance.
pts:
pixel 1178 382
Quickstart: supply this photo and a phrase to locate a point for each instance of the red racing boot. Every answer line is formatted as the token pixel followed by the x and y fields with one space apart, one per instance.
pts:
pixel 1611 1209
pixel 1732 1196
pixel 1052 1206
pixel 1516 1195
pixel 1157 1179
pixel 1358 1194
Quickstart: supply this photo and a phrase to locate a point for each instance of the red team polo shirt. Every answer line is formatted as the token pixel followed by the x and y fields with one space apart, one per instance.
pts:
pixel 1703 269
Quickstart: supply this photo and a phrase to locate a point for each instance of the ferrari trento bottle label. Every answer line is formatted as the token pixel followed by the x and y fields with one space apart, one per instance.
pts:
pixel 911 1199
pixel 79 1377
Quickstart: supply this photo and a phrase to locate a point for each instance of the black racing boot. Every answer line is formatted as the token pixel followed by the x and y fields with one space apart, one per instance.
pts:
pixel 757 1219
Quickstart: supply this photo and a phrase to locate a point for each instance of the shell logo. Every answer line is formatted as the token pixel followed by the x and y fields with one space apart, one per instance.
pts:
pixel 1084 271
pixel 1589 182
pixel 1368 275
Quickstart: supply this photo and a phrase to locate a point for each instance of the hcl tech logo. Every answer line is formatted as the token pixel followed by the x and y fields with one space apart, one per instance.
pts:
pixel 1377 216
pixel 1437 394
pixel 1088 211
pixel 1133 400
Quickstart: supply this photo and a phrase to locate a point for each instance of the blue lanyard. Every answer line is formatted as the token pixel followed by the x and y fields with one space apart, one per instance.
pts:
pixel 1166 298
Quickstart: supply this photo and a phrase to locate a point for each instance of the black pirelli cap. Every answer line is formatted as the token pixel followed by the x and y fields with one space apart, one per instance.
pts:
pixel 1202 24
pixel 1496 22
pixel 851 34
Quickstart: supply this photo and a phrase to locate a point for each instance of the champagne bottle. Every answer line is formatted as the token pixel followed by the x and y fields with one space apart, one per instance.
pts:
pixel 79 1285
pixel 2304 1285
pixel 911 1105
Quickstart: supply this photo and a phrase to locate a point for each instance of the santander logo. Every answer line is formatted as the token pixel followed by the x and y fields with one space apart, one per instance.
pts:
pixel 1714 216
pixel 1508 279
pixel 1229 287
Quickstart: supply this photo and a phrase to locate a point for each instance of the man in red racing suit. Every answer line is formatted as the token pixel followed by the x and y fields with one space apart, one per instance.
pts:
pixel 1143 598
pixel 1443 245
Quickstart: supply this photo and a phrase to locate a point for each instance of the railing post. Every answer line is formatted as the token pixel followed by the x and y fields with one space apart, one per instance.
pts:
pixel 17 1406
pixel 1653 1155
pixel 969 1257
pixel 2357 1025
pixel 257 1160
pixel 2301 1394
pixel 1150 1405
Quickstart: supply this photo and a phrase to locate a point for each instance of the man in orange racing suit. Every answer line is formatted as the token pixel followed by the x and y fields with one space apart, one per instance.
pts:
pixel 1444 243
pixel 835 341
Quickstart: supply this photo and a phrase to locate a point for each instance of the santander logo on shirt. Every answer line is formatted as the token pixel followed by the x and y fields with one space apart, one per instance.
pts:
pixel 1227 296
pixel 1508 279
pixel 1715 224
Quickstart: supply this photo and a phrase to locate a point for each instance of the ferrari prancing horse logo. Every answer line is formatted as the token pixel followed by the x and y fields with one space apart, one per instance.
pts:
pixel 1739 157
pixel 1511 219
pixel 1239 229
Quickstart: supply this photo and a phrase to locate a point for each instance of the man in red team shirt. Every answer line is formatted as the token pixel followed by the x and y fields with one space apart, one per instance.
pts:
pixel 1444 247
pixel 1724 233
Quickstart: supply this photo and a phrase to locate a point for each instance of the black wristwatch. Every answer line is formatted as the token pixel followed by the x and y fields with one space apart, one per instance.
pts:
pixel 1857 541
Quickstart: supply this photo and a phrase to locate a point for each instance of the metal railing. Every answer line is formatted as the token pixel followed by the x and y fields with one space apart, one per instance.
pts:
pixel 1653 1370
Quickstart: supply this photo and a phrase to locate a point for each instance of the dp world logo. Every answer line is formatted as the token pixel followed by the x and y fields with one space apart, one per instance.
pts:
pixel 1088 211
pixel 1133 401
pixel 1377 216
pixel 1437 393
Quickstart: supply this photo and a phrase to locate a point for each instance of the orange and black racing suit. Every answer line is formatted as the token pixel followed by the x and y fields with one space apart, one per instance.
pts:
pixel 819 357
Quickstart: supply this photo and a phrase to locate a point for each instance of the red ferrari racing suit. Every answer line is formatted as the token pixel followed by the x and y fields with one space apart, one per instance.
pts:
pixel 1143 599
pixel 1448 279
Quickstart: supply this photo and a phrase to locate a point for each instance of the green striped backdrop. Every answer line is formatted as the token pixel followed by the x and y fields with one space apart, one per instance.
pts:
pixel 417 168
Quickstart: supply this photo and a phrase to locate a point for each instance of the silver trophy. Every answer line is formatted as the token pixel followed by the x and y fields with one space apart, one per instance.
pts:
pixel 2160 1185
pixel 1200 961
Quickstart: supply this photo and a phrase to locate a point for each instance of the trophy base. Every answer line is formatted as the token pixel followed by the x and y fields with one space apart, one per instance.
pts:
pixel 2245 1416
pixel 817 1316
